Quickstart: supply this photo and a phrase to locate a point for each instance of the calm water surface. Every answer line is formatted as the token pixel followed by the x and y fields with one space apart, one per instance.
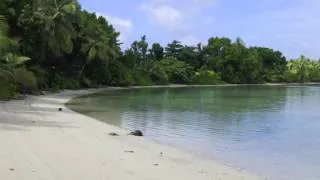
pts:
pixel 271 131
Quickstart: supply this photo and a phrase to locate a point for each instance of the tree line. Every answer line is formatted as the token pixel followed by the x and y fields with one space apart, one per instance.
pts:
pixel 55 44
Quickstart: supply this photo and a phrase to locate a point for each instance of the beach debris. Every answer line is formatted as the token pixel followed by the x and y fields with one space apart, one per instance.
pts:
pixel 33 122
pixel 129 151
pixel 11 169
pixel 161 154
pixel 113 134
pixel 156 164
pixel 136 133
pixel 60 109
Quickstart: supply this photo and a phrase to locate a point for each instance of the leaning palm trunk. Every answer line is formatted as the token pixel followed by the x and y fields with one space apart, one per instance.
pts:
pixel 82 70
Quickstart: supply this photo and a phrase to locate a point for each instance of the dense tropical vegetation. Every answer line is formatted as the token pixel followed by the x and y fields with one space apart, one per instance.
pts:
pixel 55 44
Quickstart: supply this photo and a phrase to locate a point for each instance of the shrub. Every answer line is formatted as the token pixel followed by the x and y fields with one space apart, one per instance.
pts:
pixel 206 77
pixel 57 82
pixel 70 83
pixel 85 82
pixel 158 75
pixel 291 77
pixel 141 78
pixel 177 71
pixel 25 80
pixel 6 90
pixel 41 76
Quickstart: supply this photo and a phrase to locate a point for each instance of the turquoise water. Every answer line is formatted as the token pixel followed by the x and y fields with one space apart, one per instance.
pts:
pixel 270 131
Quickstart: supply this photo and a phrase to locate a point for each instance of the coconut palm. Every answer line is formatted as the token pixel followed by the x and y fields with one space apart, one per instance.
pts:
pixel 59 31
pixel 97 47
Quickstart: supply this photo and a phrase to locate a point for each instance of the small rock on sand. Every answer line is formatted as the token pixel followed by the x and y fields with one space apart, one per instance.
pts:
pixel 113 134
pixel 129 151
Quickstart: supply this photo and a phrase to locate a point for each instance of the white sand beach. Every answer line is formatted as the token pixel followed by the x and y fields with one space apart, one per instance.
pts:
pixel 37 142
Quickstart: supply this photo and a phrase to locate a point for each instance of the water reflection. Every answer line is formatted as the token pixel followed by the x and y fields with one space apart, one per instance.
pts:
pixel 270 130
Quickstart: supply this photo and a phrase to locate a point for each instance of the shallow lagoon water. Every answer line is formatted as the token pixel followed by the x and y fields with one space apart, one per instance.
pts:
pixel 273 131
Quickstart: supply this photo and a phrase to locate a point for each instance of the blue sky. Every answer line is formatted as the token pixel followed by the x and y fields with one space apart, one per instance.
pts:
pixel 291 26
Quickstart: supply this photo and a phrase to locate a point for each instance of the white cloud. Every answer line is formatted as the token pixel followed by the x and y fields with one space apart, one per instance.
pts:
pixel 124 26
pixel 165 16
pixel 179 18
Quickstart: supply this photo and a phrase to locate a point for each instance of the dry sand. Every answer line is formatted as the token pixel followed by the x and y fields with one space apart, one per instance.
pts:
pixel 39 142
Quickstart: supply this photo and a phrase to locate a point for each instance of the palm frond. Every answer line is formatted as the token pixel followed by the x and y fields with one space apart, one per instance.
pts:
pixel 3 25
pixel 92 54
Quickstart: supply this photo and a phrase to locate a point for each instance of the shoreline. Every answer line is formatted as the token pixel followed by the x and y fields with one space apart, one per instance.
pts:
pixel 39 142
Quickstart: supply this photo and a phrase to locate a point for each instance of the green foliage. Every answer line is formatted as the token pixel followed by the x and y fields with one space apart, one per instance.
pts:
pixel 4 40
pixel 158 74
pixel 236 63
pixel 177 71
pixel 57 82
pixel 85 82
pixel 25 78
pixel 41 75
pixel 14 76
pixel 6 89
pixel 54 44
pixel 71 83
pixel 173 49
pixel 120 75
pixel 141 78
pixel 303 70
pixel 206 77
pixel 156 52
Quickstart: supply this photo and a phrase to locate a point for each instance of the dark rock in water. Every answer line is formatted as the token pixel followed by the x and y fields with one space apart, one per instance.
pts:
pixel 60 109
pixel 136 133
pixel 113 134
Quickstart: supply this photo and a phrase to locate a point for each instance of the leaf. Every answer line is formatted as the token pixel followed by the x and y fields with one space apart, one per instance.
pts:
pixel 22 59
pixel 69 8
pixel 14 60
pixel 92 54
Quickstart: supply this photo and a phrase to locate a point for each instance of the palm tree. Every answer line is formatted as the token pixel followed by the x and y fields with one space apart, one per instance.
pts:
pixel 313 70
pixel 302 68
pixel 58 15
pixel 97 49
